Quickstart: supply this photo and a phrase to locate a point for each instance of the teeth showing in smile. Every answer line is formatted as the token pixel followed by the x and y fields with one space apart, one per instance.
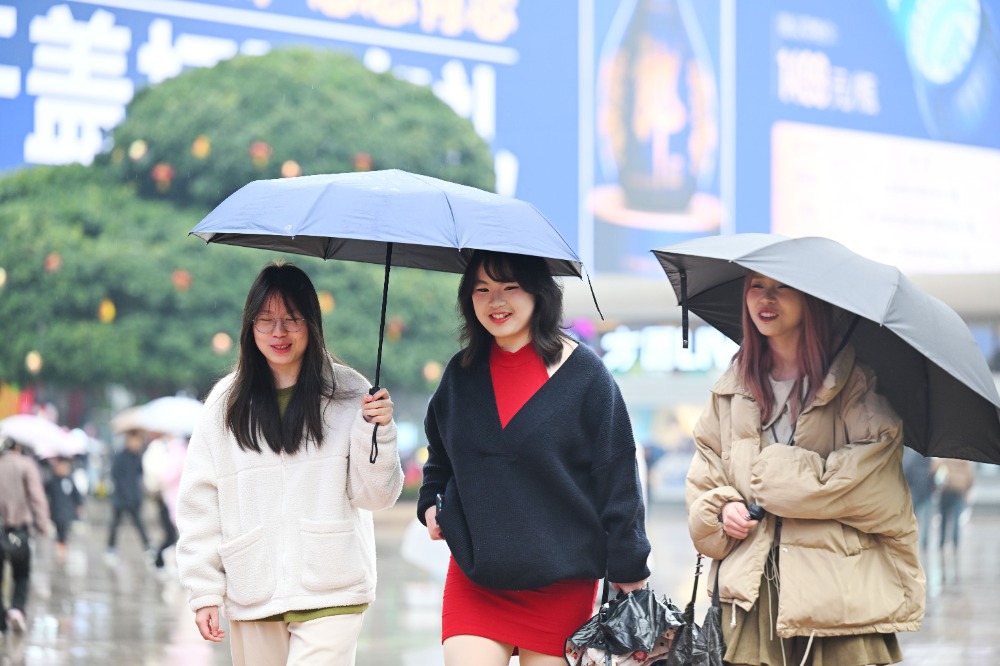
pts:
pixel 499 316
pixel 767 316
pixel 281 347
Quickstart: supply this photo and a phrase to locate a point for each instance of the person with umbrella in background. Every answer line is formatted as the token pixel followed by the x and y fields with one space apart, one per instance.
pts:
pixel 796 427
pixel 274 508
pixel 531 472
pixel 22 506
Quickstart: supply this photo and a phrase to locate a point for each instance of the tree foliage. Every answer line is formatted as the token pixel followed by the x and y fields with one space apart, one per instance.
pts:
pixel 214 130
pixel 78 237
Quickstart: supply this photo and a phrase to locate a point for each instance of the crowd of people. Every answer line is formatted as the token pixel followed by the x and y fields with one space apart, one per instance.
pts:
pixel 43 497
pixel 796 483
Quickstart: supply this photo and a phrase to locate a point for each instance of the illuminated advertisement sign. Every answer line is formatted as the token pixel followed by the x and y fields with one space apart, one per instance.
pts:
pixel 873 123
pixel 629 124
pixel 68 70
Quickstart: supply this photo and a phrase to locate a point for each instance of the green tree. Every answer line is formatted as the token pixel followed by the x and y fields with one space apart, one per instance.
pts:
pixel 202 135
pixel 78 237
pixel 74 238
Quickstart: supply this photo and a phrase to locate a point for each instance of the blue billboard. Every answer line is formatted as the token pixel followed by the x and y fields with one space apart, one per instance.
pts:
pixel 629 124
pixel 874 123
pixel 68 69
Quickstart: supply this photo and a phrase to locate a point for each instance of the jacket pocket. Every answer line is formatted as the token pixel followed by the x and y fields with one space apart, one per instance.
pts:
pixel 331 555
pixel 246 560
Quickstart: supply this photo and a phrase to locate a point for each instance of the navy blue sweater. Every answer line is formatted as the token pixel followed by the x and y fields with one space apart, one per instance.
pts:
pixel 555 495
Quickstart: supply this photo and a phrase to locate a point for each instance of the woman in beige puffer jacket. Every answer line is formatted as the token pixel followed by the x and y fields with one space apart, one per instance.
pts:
pixel 832 572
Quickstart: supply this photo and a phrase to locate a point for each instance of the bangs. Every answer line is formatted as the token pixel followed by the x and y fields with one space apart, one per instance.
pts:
pixel 499 268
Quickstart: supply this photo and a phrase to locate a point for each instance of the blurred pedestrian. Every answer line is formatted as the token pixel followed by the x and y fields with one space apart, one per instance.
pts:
pixel 531 452
pixel 127 496
pixel 23 507
pixel 796 428
pixel 277 488
pixel 154 460
pixel 953 480
pixel 65 502
pixel 170 473
pixel 920 478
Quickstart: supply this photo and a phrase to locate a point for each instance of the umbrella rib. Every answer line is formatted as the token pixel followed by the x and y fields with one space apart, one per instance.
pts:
pixel 447 199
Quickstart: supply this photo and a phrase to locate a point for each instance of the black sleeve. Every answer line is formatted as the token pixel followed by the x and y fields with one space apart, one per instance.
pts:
pixel 437 469
pixel 616 479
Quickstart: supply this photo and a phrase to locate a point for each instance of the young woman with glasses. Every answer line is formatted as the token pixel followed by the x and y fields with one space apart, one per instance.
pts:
pixel 277 488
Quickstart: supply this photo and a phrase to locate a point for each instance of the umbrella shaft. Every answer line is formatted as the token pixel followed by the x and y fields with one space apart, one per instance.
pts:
pixel 385 300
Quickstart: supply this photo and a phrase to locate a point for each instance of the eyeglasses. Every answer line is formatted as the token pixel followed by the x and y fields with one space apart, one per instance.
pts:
pixel 270 324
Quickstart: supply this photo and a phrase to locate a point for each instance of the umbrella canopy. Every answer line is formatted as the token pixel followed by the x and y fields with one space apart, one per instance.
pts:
pixel 927 362
pixel 173 415
pixel 44 437
pixel 390 217
pixel 432 224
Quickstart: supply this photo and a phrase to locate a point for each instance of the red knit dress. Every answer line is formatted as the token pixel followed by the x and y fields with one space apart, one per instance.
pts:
pixel 539 620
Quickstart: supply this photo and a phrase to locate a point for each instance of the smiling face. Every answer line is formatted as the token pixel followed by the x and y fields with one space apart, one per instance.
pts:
pixel 504 309
pixel 282 348
pixel 775 309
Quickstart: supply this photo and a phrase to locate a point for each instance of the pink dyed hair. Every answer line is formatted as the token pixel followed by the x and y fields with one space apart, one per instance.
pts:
pixel 753 360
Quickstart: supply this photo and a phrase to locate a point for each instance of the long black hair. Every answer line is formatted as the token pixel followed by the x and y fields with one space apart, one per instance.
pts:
pixel 533 275
pixel 252 407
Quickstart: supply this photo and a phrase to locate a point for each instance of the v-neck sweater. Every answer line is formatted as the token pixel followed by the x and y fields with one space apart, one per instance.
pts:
pixel 516 376
pixel 553 496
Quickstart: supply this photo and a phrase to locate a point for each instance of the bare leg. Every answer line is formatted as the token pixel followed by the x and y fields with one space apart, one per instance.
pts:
pixel 529 658
pixel 465 649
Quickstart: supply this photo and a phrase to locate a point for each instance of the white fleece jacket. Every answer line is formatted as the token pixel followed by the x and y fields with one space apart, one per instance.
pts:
pixel 264 533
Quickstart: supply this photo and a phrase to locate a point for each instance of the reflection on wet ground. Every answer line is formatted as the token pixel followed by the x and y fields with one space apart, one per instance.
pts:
pixel 93 610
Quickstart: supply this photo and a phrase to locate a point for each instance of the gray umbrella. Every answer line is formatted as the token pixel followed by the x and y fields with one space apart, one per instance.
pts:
pixel 927 362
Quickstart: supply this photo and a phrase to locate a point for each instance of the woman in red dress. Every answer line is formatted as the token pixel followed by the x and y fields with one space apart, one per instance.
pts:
pixel 531 474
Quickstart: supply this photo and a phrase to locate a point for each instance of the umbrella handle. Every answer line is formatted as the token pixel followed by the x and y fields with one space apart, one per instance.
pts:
pixel 381 336
pixel 684 323
pixel 373 456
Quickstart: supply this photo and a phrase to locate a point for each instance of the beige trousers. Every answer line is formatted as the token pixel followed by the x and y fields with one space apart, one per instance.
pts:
pixel 326 641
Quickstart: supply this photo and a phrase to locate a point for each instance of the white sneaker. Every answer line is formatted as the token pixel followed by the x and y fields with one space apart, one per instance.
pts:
pixel 15 618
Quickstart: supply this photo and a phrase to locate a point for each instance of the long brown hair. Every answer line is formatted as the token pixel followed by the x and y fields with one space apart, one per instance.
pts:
pixel 753 360
pixel 534 277
pixel 252 406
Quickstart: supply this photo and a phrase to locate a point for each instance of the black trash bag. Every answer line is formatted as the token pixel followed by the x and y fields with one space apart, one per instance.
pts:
pixel 590 633
pixel 636 620
pixel 629 623
pixel 704 645
pixel 682 650
pixel 710 646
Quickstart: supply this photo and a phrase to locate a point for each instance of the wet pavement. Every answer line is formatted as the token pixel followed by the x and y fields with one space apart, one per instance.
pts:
pixel 90 610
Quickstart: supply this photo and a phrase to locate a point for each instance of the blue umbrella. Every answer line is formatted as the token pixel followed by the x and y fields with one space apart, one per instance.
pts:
pixel 391 217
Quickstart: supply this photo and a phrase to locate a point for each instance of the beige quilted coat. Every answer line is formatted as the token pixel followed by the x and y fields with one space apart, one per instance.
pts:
pixel 848 549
